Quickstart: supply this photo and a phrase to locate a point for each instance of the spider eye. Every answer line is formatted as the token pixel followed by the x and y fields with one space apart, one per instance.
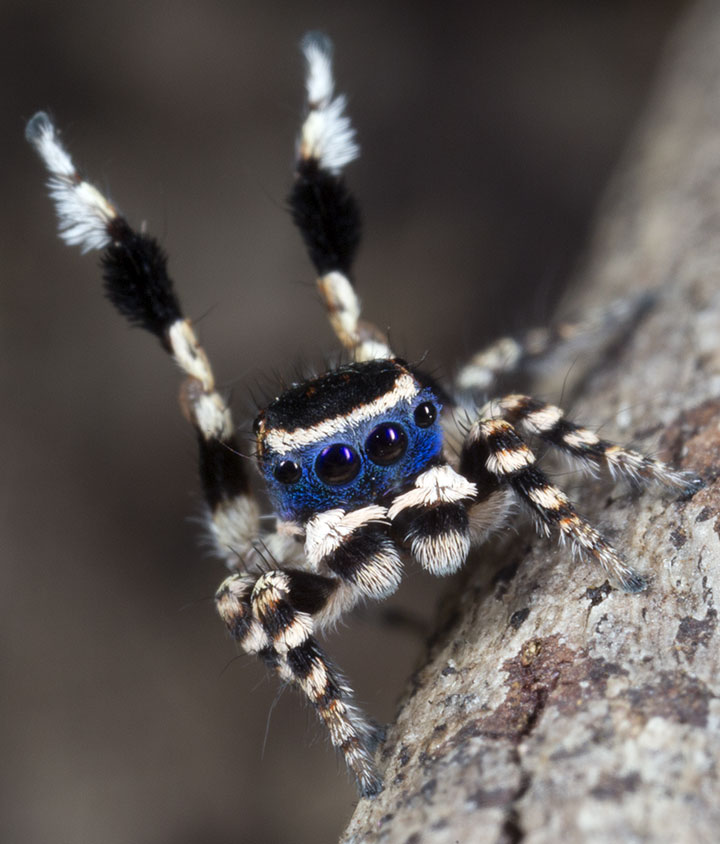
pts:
pixel 337 464
pixel 425 414
pixel 287 472
pixel 386 444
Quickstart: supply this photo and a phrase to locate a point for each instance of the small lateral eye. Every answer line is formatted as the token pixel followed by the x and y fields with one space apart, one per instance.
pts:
pixel 425 414
pixel 287 472
pixel 337 464
pixel 386 444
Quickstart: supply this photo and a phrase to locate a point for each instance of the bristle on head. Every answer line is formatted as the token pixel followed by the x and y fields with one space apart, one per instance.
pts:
pixel 84 213
pixel 327 134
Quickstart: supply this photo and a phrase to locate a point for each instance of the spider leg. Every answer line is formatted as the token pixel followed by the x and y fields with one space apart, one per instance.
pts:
pixel 554 347
pixel 137 283
pixel 274 617
pixel 549 423
pixel 494 449
pixel 323 208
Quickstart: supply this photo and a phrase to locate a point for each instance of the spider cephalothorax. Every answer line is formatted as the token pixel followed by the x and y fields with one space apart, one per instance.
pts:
pixel 355 461
pixel 351 437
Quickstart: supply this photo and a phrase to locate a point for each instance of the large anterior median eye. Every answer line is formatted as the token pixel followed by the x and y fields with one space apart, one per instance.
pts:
pixel 386 444
pixel 337 464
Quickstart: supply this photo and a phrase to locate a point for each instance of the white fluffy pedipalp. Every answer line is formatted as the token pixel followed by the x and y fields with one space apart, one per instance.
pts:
pixel 438 485
pixel 83 212
pixel 326 532
pixel 327 134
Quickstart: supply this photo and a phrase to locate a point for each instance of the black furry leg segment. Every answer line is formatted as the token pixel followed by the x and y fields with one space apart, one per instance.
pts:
pixel 494 448
pixel 273 617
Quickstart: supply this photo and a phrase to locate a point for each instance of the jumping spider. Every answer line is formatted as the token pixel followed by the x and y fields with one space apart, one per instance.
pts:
pixel 356 461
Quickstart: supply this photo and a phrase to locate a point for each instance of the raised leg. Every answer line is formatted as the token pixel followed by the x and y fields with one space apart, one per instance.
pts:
pixel 137 283
pixel 323 208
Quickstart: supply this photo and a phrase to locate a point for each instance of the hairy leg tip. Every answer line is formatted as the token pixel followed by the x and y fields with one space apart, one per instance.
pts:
pixel 635 583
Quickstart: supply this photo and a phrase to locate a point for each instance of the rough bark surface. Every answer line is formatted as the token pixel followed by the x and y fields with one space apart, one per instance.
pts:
pixel 552 706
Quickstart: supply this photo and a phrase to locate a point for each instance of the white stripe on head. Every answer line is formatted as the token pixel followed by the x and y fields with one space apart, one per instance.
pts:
pixel 282 441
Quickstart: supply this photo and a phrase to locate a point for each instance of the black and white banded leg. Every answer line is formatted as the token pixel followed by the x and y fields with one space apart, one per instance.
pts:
pixel 549 424
pixel 273 618
pixel 494 450
pixel 555 347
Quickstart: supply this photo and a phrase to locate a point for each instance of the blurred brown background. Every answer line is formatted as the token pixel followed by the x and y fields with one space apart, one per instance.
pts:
pixel 488 131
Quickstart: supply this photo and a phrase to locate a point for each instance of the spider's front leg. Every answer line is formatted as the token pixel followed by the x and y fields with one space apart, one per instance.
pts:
pixel 274 617
pixel 494 452
pixel 138 285
pixel 585 447
pixel 323 208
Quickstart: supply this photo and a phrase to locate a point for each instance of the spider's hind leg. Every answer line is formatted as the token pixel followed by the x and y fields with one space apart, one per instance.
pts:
pixel 274 617
pixel 553 348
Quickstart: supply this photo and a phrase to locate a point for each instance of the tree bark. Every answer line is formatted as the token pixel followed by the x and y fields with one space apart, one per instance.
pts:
pixel 553 706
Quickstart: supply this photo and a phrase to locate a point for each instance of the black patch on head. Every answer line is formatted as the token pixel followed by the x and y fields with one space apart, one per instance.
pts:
pixel 136 280
pixel 333 394
pixel 222 473
pixel 327 215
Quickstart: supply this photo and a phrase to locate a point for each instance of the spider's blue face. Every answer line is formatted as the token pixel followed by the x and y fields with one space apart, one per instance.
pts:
pixel 349 438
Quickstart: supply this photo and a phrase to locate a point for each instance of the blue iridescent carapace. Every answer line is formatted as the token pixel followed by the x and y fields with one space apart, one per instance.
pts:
pixel 366 456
